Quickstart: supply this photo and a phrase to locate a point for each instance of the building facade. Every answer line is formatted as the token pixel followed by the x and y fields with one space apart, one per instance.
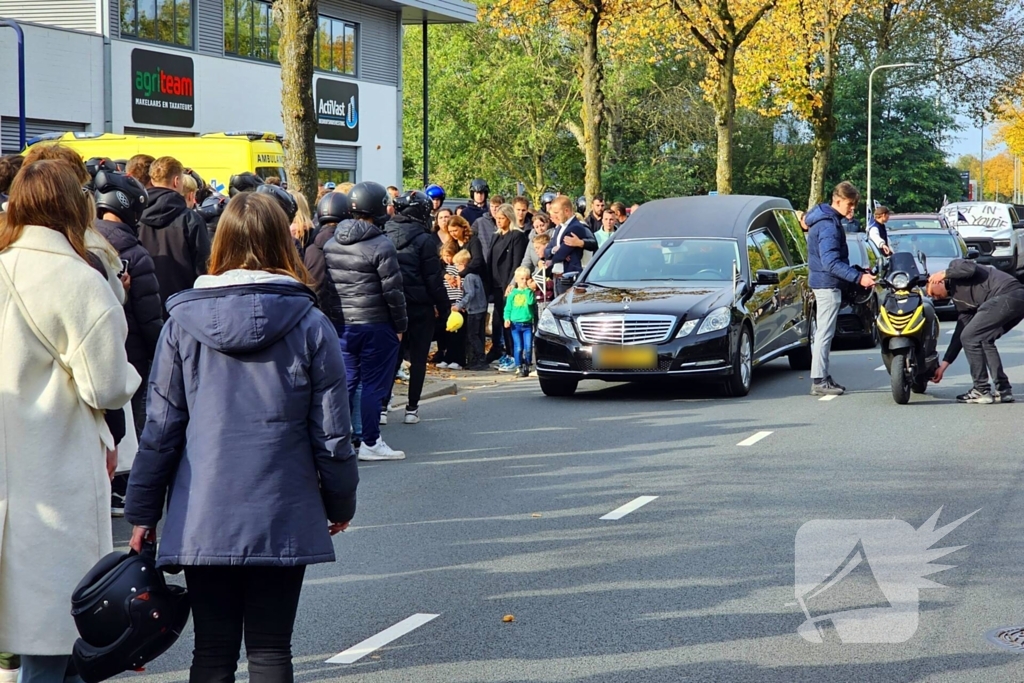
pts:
pixel 186 67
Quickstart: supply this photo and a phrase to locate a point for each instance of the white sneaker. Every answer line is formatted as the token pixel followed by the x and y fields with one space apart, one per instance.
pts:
pixel 454 366
pixel 383 417
pixel 9 675
pixel 379 451
pixel 412 417
pixel 444 366
pixel 403 374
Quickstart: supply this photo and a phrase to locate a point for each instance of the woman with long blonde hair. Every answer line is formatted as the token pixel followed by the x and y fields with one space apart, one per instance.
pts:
pixel 249 443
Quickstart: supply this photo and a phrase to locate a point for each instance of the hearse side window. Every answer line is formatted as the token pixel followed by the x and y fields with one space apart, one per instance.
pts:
pixel 794 236
pixel 754 256
pixel 771 250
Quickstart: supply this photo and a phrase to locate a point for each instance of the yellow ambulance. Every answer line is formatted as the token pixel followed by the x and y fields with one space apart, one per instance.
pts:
pixel 215 156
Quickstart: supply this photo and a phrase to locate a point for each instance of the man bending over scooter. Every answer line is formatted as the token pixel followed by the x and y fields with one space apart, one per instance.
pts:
pixel 989 303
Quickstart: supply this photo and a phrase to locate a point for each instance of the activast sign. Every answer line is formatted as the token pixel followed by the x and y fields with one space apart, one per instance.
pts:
pixel 163 89
pixel 337 110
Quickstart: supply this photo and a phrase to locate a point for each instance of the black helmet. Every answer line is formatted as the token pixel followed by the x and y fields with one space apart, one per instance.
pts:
pixel 435 192
pixel 369 200
pixel 333 208
pixel 121 164
pixel 126 615
pixel 211 209
pixel 546 199
pixel 414 204
pixel 97 164
pixel 581 205
pixel 243 182
pixel 479 185
pixel 121 195
pixel 286 201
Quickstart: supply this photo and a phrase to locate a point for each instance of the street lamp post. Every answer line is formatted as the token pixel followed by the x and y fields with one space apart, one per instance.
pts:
pixel 871 79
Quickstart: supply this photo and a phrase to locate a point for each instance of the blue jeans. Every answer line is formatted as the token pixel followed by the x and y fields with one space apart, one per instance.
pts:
pixel 370 353
pixel 45 669
pixel 522 343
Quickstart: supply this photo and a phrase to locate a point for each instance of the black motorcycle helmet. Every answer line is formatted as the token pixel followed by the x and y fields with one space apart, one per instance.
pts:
pixel 95 165
pixel 369 200
pixel 126 615
pixel 581 206
pixel 121 164
pixel 243 182
pixel 479 185
pixel 414 204
pixel 333 208
pixel 211 209
pixel 120 195
pixel 546 199
pixel 282 197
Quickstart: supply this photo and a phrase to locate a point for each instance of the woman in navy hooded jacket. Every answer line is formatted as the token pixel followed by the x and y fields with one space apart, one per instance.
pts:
pixel 248 437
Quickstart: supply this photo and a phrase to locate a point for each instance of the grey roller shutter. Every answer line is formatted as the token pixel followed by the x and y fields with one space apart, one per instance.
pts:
pixel 75 14
pixel 210 17
pixel 336 156
pixel 115 18
pixel 33 128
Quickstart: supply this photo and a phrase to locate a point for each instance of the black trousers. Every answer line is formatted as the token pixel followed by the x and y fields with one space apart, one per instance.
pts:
pixel 994 318
pixel 416 346
pixel 501 339
pixel 476 334
pixel 229 603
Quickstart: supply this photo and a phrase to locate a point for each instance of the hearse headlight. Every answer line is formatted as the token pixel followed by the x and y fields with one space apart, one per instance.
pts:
pixel 717 319
pixel 547 323
pixel 567 328
pixel 687 328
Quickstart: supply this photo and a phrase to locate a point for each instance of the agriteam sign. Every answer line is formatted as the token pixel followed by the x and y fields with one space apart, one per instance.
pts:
pixel 337 110
pixel 163 89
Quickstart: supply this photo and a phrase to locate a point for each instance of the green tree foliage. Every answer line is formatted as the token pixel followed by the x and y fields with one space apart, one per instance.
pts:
pixel 909 169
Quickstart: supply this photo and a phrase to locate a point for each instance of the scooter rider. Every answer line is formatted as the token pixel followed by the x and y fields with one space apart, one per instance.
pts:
pixel 989 303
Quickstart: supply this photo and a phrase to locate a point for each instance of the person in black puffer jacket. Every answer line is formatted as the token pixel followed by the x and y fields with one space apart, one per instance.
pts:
pixel 423 284
pixel 370 312
pixel 332 209
pixel 175 236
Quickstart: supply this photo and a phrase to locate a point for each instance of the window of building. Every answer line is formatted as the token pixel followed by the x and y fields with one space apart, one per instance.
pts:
pixel 251 30
pixel 162 21
pixel 336 175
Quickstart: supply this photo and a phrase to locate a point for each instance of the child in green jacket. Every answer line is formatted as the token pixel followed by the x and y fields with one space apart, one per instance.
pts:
pixel 519 308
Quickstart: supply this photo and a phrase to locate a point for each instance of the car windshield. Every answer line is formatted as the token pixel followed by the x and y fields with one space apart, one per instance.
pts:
pixel 669 259
pixel 913 224
pixel 940 246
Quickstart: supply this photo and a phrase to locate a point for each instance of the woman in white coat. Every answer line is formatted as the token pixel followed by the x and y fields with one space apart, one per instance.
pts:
pixel 62 364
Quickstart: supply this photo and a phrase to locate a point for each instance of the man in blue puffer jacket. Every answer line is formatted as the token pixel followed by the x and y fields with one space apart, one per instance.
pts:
pixel 829 261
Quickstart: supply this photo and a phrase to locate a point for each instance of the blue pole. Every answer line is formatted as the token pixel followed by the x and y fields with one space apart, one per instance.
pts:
pixel 21 78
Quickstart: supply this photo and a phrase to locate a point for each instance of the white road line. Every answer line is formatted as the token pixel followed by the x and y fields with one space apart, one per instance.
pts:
pixel 635 504
pixel 357 652
pixel 828 398
pixel 533 429
pixel 750 441
pixel 879 368
pixel 950 331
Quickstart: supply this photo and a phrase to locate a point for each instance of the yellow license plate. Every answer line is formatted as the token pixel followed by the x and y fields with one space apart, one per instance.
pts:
pixel 625 357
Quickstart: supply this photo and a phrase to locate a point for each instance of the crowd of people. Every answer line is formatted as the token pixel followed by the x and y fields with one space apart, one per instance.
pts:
pixel 270 333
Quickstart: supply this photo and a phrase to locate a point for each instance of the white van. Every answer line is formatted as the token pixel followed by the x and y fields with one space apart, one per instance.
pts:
pixel 995 220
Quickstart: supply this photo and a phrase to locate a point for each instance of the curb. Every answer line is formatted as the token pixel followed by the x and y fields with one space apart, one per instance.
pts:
pixel 440 389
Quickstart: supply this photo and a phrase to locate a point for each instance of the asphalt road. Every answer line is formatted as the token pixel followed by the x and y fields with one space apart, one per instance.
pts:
pixel 497 511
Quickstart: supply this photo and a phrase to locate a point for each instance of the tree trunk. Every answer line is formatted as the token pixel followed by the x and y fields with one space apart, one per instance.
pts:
pixel 824 124
pixel 593 103
pixel 298 19
pixel 725 117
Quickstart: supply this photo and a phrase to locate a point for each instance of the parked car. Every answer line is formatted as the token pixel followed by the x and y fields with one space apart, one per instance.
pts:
pixel 996 221
pixel 691 287
pixel 915 221
pixel 939 247
pixel 859 312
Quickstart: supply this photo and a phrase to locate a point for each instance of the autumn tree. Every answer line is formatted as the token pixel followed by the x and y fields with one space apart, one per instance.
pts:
pixel 298 21
pixel 719 28
pixel 791 65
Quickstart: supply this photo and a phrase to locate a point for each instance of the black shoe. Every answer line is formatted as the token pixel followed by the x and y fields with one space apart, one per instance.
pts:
pixel 976 396
pixel 1003 396
pixel 493 355
pixel 833 383
pixel 356 442
pixel 479 367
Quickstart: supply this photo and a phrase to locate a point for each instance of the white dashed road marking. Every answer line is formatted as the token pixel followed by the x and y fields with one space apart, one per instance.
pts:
pixel 750 441
pixel 357 652
pixel 635 504
pixel 880 368
pixel 828 398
